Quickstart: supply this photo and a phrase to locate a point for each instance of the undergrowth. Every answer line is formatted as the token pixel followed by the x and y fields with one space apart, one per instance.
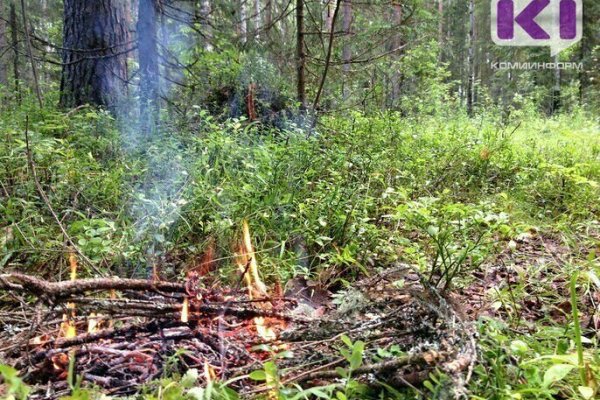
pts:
pixel 446 193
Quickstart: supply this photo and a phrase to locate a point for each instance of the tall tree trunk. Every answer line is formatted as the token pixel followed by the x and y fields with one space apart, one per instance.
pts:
pixel 471 60
pixel 328 13
pixel 268 19
pixel 205 11
pixel 3 47
pixel 300 55
pixel 556 92
pixel 243 27
pixel 346 50
pixel 96 42
pixel 395 44
pixel 441 27
pixel 257 22
pixel 36 82
pixel 14 28
pixel 148 63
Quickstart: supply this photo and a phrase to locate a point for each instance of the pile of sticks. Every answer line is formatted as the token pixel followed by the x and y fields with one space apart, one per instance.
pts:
pixel 141 334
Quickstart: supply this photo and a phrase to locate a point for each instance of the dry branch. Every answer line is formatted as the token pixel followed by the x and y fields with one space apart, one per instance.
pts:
pixel 56 290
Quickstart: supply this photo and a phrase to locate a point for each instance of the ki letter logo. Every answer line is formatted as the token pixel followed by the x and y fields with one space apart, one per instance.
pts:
pixel 553 23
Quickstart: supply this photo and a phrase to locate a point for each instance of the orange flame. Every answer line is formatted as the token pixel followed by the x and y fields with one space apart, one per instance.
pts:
pixel 67 327
pixel 73 264
pixel 185 310
pixel 256 288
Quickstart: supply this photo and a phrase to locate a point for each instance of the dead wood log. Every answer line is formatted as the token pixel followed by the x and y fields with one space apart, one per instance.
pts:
pixel 56 290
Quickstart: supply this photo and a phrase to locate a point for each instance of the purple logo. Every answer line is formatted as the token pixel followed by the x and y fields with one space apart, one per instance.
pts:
pixel 553 23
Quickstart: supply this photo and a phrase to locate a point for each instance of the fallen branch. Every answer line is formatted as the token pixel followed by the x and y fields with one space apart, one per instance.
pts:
pixel 413 359
pixel 57 290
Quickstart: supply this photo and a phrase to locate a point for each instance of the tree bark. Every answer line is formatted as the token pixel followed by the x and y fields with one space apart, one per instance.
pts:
pixel 328 14
pixel 556 88
pixel 36 82
pixel 441 26
pixel 205 11
pixel 3 47
pixel 268 18
pixel 243 27
pixel 300 55
pixel 395 44
pixel 471 60
pixel 346 50
pixel 96 42
pixel 257 21
pixel 14 27
pixel 148 63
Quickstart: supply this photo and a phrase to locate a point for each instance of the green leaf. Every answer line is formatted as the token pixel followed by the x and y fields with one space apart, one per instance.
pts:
pixel 259 375
pixel 556 373
pixel 519 347
pixel 346 341
pixel 357 354
pixel 340 396
pixel 433 230
pixel 586 392
pixel 342 372
pixel 190 378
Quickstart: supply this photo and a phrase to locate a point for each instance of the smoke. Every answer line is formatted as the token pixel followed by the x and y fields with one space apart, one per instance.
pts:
pixel 159 192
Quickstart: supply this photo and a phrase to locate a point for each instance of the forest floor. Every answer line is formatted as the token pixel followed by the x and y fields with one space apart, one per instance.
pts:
pixel 501 216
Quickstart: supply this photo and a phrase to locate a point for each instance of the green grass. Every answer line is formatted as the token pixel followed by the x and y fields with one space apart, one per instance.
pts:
pixel 363 193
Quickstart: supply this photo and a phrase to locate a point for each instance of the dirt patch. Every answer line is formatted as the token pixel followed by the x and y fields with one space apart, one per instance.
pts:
pixel 528 281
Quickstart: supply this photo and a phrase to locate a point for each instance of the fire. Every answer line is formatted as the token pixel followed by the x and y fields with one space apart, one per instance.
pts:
pixel 209 373
pixel 263 330
pixel 73 264
pixel 93 323
pixel 185 310
pixel 248 265
pixel 67 327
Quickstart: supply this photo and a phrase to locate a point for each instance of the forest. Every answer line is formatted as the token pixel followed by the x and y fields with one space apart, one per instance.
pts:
pixel 299 199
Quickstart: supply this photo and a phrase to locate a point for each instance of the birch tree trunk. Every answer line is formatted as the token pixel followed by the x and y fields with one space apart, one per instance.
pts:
pixel 96 42
pixel 243 23
pixel 205 11
pixel 257 20
pixel 346 50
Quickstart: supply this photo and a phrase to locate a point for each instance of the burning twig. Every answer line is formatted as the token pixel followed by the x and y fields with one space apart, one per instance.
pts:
pixel 222 328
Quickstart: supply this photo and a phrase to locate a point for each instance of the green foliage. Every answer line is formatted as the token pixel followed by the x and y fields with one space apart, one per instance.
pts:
pixel 441 191
pixel 14 388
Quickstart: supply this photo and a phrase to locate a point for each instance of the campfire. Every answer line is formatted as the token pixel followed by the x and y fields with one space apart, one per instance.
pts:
pixel 119 334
